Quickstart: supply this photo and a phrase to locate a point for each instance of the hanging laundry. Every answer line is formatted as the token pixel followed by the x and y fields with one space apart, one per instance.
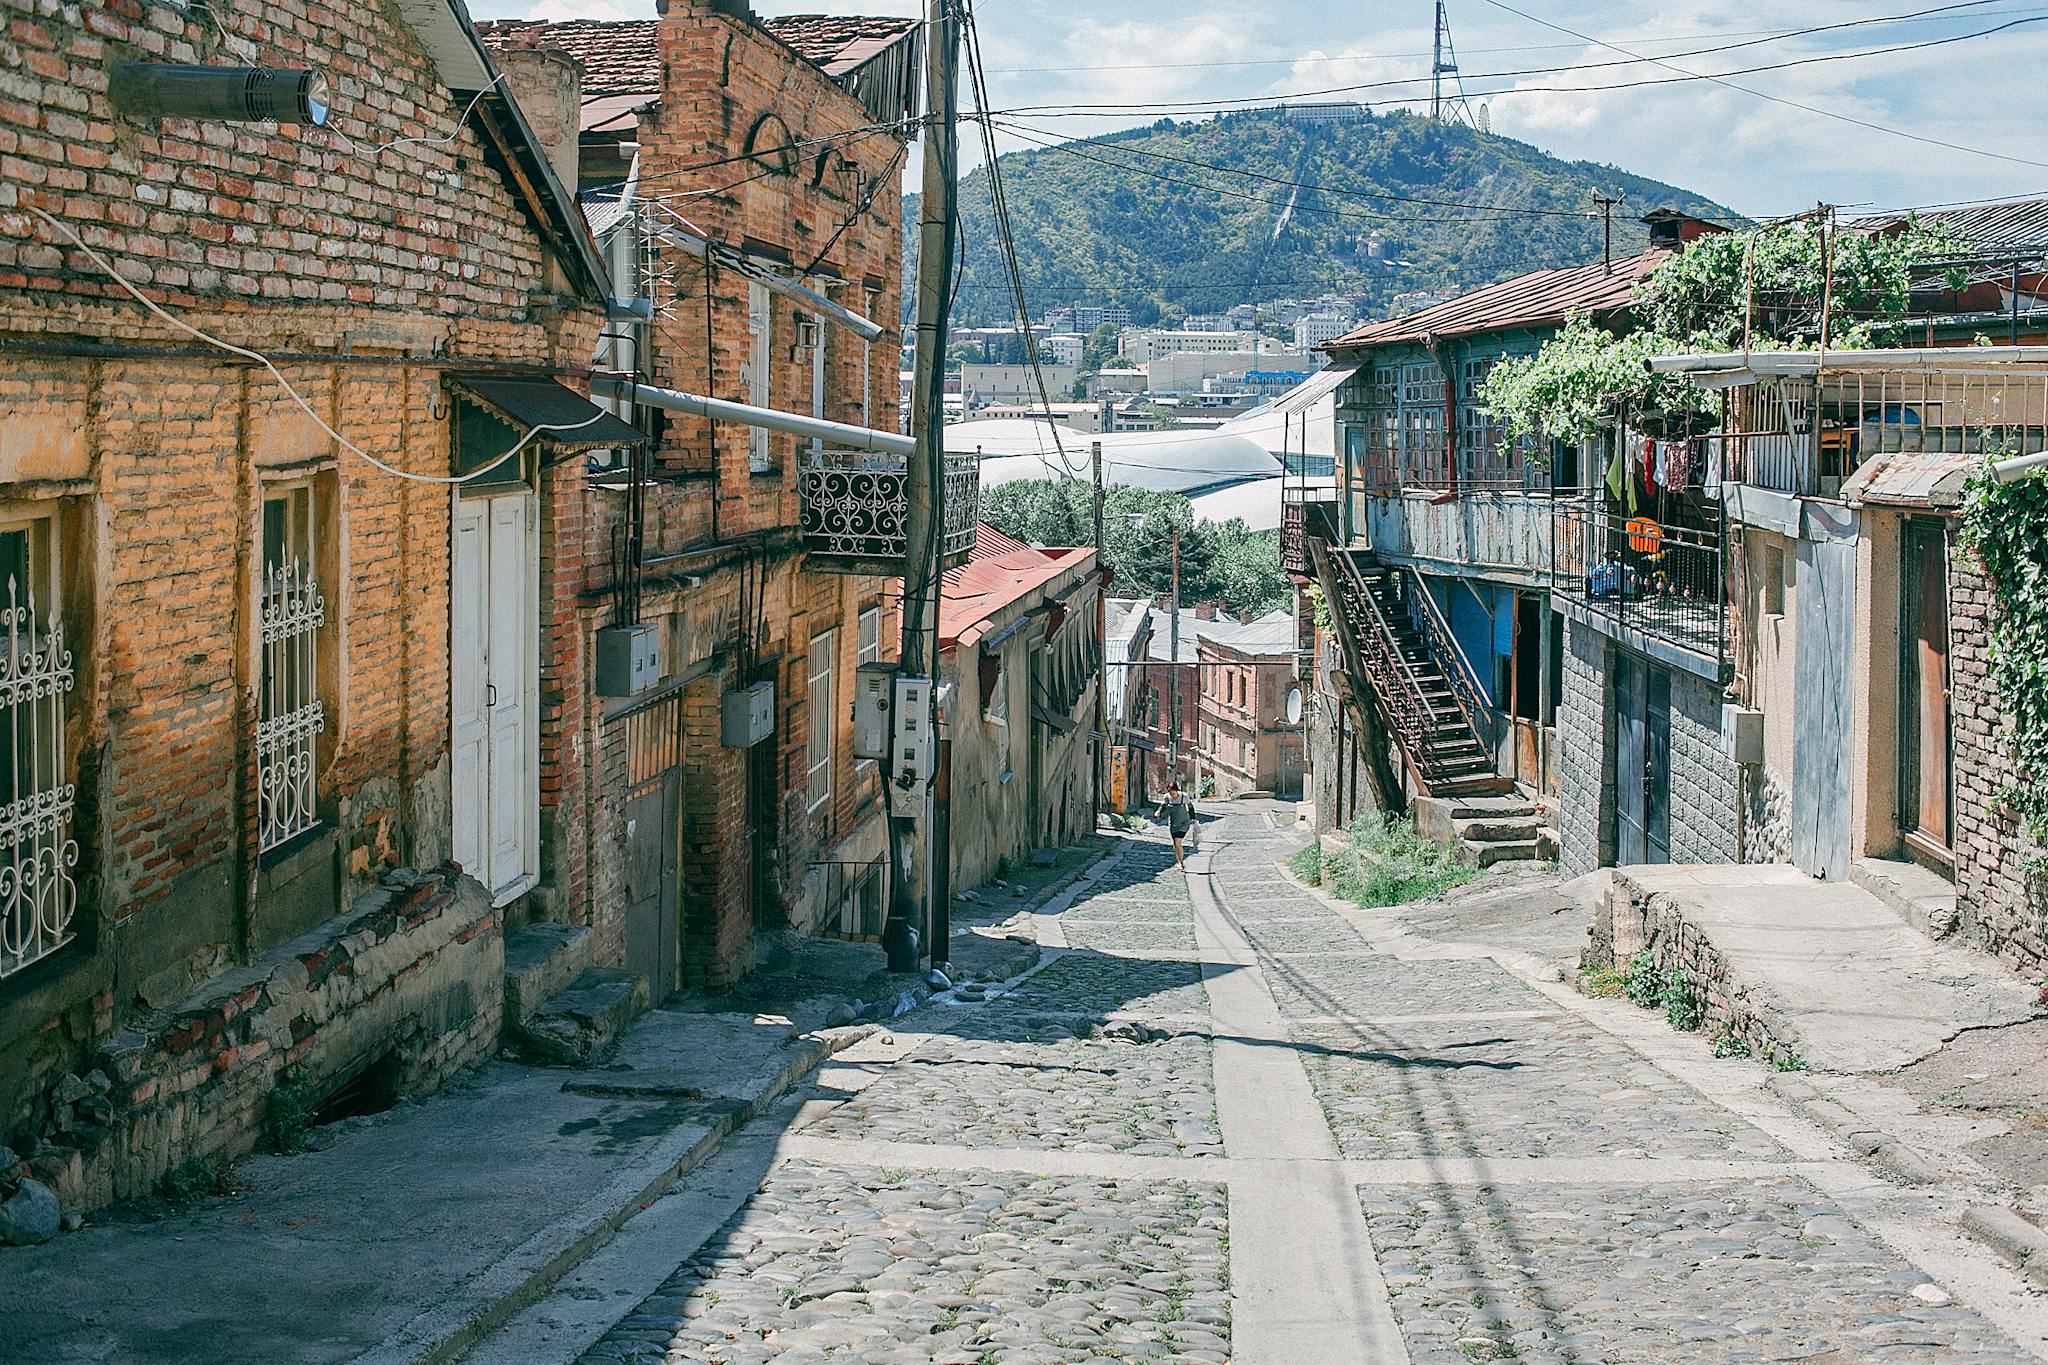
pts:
pixel 1649 466
pixel 1617 470
pixel 1680 460
pixel 1710 478
pixel 1664 463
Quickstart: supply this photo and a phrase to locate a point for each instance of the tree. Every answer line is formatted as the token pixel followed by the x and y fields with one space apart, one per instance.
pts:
pixel 1769 283
pixel 1100 348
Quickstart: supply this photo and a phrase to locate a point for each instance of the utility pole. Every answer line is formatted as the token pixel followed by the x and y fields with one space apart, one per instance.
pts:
pixel 1101 643
pixel 924 482
pixel 1173 677
pixel 1607 203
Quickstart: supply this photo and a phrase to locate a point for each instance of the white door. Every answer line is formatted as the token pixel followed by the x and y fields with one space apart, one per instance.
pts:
pixel 493 588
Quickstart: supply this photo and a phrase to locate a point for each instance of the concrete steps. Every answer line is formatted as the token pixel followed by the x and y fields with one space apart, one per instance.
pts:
pixel 559 1009
pixel 1488 829
pixel 1924 899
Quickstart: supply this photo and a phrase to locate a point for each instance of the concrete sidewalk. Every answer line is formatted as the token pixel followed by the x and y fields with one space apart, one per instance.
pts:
pixel 1825 971
pixel 413 1232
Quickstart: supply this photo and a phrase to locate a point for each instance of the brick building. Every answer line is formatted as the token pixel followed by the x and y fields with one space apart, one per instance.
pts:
pixel 730 164
pixel 1247 743
pixel 231 738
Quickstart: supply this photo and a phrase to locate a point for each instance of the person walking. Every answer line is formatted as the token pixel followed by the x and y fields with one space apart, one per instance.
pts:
pixel 1177 809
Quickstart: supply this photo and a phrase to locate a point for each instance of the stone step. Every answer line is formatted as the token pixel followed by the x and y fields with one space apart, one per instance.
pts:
pixel 1492 808
pixel 1922 898
pixel 581 1025
pixel 1504 830
pixel 540 961
pixel 1517 850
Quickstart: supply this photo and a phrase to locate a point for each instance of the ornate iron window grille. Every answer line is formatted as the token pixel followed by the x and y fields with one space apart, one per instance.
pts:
pixel 38 897
pixel 292 715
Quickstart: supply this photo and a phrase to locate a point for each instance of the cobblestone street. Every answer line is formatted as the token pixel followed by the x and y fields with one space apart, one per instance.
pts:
pixel 1228 1119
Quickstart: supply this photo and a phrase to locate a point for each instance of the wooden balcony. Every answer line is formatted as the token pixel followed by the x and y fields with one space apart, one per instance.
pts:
pixel 1505 530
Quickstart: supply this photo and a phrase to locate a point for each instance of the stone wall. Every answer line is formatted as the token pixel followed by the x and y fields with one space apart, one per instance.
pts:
pixel 407 981
pixel 1703 812
pixel 2001 896
pixel 1585 748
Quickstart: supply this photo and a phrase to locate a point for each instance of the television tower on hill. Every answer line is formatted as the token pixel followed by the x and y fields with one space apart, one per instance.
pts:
pixel 1454 107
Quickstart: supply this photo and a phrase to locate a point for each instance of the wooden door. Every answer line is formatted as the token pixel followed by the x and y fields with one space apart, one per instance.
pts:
pixel 1642 761
pixel 1926 769
pixel 654 828
pixel 492 685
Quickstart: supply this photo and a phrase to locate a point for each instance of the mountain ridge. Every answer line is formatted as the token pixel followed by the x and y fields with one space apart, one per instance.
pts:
pixel 1374 204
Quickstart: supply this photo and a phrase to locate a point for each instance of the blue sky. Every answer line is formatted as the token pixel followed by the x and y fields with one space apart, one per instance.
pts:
pixel 1758 156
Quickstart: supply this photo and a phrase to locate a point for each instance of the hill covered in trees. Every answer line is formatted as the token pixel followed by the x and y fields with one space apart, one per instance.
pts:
pixel 1375 205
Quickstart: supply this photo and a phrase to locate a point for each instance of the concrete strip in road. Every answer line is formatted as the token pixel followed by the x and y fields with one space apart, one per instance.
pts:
pixel 1305 1286
pixel 919 1156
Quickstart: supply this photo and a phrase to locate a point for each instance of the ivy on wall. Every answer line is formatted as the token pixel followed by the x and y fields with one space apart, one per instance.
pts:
pixel 2006 526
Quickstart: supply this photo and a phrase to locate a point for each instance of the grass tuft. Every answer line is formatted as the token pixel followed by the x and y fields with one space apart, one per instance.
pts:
pixel 1383 861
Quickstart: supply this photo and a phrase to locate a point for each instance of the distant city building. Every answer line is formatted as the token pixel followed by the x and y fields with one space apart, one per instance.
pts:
pixel 1324 113
pixel 1272 383
pixel 1206 322
pixel 1313 329
pixel 1144 345
pixel 1117 380
pixel 1190 373
pixel 1065 348
pixel 1088 317
pixel 988 386
pixel 1414 301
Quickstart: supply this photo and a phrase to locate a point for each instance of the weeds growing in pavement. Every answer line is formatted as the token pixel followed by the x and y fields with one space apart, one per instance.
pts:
pixel 1308 865
pixel 1786 1060
pixel 1383 861
pixel 1603 983
pixel 1670 991
pixel 1731 1044
pixel 1641 983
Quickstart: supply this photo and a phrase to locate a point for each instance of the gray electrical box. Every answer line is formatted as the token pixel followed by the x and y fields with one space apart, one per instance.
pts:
pixel 872 688
pixel 749 715
pixel 628 660
pixel 1742 733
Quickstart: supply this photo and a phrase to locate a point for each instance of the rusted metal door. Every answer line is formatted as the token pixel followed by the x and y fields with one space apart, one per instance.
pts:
pixel 653 815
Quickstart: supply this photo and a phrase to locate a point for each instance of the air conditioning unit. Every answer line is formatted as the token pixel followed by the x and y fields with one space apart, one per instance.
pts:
pixel 749 716
pixel 628 659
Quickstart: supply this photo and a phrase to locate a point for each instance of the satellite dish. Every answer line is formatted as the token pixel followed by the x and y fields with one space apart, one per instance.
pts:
pixel 1294 706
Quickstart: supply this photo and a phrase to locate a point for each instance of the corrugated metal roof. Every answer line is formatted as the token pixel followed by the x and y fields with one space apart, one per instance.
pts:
pixel 1537 299
pixel 534 403
pixel 2016 224
pixel 1912 478
pixel 1000 571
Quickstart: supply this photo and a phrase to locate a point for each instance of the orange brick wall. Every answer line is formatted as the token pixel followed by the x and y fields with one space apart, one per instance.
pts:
pixel 745 867
pixel 367 276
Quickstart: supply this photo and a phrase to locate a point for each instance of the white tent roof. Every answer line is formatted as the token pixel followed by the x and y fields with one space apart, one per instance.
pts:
pixel 1302 420
pixel 1257 501
pixel 1187 462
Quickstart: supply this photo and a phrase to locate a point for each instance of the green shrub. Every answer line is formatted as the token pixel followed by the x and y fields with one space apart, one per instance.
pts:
pixel 1308 865
pixel 1731 1044
pixel 1683 1008
pixel 288 1117
pixel 1383 861
pixel 1641 982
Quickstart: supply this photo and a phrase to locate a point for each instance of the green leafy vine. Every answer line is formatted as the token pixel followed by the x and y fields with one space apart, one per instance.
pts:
pixel 2005 527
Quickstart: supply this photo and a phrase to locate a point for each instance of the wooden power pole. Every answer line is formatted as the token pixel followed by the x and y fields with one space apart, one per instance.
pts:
pixel 904 936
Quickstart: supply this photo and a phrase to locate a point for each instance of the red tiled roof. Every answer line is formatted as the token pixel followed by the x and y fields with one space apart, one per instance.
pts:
pixel 838 42
pixel 1537 299
pixel 618 57
pixel 1000 571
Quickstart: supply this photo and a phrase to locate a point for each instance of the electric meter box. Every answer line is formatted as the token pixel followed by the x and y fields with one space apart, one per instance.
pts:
pixel 1742 733
pixel 628 660
pixel 749 715
pixel 913 748
pixel 873 685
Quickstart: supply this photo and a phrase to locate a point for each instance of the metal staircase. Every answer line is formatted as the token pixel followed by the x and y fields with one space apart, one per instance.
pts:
pixel 1396 642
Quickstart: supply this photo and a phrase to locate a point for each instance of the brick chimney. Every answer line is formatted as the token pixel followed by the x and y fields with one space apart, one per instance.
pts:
pixel 547 83
pixel 1206 611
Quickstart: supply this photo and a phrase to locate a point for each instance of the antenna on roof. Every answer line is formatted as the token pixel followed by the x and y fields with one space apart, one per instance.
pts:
pixel 1455 108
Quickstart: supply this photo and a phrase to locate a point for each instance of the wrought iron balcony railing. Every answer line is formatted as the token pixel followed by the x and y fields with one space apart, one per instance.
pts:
pixel 855 508
pixel 1663 580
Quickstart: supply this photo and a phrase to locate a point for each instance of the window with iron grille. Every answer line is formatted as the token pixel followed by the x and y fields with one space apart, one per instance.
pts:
pixel 290 715
pixel 819 756
pixel 38 897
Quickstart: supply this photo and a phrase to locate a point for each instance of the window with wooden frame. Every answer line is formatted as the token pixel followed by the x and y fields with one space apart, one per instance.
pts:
pixel 819 748
pixel 38 792
pixel 290 714
pixel 867 650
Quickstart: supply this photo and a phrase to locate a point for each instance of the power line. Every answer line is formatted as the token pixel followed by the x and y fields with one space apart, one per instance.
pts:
pixel 1266 102
pixel 1007 243
pixel 1794 104
pixel 1321 60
